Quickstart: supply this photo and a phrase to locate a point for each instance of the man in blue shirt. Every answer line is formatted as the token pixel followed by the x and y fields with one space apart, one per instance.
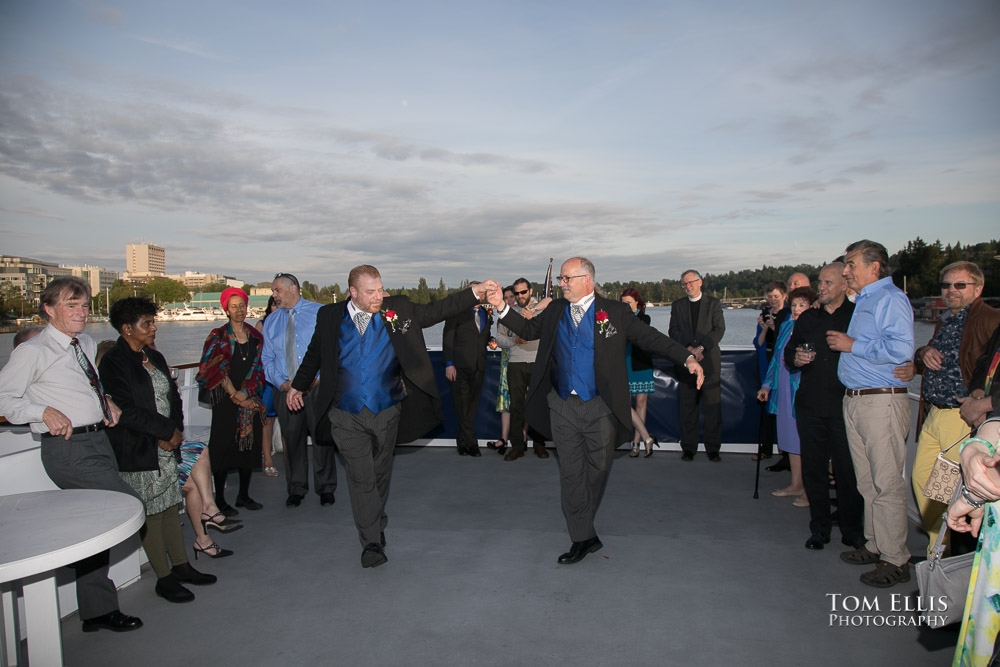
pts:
pixel 287 333
pixel 877 408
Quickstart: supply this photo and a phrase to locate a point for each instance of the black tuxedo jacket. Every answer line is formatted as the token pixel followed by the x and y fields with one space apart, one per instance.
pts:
pixel 609 355
pixel 707 332
pixel 134 437
pixel 463 344
pixel 422 405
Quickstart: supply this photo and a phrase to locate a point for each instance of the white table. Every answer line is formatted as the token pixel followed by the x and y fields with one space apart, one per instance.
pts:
pixel 44 530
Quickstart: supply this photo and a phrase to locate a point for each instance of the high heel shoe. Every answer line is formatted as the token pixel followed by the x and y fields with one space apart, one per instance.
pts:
pixel 226 525
pixel 635 450
pixel 219 551
pixel 649 447
pixel 499 445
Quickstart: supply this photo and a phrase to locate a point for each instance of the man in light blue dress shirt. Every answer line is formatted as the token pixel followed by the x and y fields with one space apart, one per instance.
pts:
pixel 877 409
pixel 296 317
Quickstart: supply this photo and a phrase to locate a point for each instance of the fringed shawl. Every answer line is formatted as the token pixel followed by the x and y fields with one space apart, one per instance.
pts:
pixel 215 361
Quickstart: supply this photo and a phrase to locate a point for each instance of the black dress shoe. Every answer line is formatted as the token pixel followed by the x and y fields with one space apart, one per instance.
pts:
pixel 326 499
pixel 781 465
pixel 294 500
pixel 228 510
pixel 474 451
pixel 816 542
pixel 170 589
pixel 687 456
pixel 462 451
pixel 373 555
pixel 188 575
pixel 714 457
pixel 514 454
pixel 541 452
pixel 114 621
pixel 579 550
pixel 249 503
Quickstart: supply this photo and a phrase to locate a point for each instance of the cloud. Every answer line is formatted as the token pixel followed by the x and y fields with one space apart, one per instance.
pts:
pixel 187 49
pixel 873 167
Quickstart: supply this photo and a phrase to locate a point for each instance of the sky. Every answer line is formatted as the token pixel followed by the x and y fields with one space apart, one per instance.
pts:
pixel 473 140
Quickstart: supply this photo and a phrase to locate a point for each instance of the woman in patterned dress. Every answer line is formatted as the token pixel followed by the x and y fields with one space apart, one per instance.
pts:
pixel 639 365
pixel 146 441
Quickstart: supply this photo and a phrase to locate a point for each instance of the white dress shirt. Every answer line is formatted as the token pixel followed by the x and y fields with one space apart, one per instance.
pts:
pixel 43 372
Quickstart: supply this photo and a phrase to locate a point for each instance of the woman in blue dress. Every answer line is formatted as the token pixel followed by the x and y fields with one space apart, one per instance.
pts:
pixel 778 390
pixel 640 379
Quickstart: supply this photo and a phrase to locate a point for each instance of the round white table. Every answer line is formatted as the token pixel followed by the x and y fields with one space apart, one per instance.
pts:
pixel 45 530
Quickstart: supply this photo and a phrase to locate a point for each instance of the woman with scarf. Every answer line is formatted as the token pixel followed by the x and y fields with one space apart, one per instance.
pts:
pixel 778 391
pixel 232 374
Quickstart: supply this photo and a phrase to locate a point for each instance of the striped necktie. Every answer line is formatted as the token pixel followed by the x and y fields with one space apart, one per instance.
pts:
pixel 95 382
pixel 576 312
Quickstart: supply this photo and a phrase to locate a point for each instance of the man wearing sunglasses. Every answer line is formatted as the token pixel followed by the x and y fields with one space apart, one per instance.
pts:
pixel 519 369
pixel 579 388
pixel 948 362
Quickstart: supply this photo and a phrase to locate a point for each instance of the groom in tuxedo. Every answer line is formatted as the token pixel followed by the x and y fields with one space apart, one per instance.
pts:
pixel 378 386
pixel 578 396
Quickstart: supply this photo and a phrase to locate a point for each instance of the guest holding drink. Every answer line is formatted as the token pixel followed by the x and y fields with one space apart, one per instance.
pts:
pixel 778 390
pixel 232 374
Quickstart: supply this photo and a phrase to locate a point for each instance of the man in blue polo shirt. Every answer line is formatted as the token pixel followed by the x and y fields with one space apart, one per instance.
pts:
pixel 877 408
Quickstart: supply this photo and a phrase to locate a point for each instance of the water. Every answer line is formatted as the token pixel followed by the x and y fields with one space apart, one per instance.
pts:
pixel 182 342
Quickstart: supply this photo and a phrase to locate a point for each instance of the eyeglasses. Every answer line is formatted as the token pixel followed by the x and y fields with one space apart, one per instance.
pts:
pixel 522 292
pixel 566 279
pixel 958 286
pixel 691 282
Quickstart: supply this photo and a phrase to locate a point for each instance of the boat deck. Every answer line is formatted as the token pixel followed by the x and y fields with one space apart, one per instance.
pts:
pixel 694 571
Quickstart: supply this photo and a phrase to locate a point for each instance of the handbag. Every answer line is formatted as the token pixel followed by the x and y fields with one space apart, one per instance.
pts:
pixel 945 476
pixel 943 582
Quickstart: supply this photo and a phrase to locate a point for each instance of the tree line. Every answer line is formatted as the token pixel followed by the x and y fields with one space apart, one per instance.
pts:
pixel 915 267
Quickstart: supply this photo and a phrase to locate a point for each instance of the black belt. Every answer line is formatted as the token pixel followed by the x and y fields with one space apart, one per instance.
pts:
pixel 940 406
pixel 877 390
pixel 90 428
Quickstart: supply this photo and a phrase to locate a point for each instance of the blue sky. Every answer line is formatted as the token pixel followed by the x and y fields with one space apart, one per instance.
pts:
pixel 473 139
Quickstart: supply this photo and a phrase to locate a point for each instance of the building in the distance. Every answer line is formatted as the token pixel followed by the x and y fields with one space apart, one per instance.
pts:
pixel 145 260
pixel 197 279
pixel 99 279
pixel 29 276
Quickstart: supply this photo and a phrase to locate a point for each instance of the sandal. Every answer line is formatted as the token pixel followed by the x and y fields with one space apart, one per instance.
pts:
pixel 635 450
pixel 649 447
pixel 270 471
pixel 860 556
pixel 225 525
pixel 886 575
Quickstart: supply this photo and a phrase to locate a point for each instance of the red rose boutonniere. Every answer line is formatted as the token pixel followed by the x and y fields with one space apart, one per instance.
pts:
pixel 604 326
pixel 391 319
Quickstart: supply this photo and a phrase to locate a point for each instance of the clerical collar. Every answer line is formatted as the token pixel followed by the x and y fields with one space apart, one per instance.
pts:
pixel 697 298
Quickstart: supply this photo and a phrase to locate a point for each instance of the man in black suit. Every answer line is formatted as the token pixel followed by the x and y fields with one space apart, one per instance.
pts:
pixel 464 355
pixel 378 386
pixel 696 323
pixel 578 396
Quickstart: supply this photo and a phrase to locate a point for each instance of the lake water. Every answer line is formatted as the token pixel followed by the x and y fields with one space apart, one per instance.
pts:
pixel 182 342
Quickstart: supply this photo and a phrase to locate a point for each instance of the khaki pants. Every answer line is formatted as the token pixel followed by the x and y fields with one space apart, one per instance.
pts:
pixel 877 425
pixel 940 430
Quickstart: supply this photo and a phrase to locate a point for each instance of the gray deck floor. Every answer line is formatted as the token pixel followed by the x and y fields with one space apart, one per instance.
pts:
pixel 693 572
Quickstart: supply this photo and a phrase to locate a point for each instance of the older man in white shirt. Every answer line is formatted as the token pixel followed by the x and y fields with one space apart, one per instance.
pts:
pixel 50 383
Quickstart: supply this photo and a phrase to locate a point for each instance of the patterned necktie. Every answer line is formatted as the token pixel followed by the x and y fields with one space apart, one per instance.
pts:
pixel 95 382
pixel 291 353
pixel 479 322
pixel 576 312
pixel 362 319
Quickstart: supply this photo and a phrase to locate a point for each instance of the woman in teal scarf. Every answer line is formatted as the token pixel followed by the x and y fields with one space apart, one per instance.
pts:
pixel 779 388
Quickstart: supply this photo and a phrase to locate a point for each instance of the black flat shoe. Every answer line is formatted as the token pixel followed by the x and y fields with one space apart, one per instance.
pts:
pixel 249 503
pixel 294 500
pixel 114 621
pixel 186 574
pixel 687 456
pixel 474 451
pixel 327 499
pixel 228 510
pixel 816 542
pixel 373 556
pixel 714 457
pixel 577 552
pixel 170 589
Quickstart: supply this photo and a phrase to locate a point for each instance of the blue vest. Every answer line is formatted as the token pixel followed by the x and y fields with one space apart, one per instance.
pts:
pixel 573 362
pixel 369 374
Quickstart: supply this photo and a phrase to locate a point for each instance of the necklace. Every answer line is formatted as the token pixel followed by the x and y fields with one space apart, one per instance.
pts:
pixel 239 348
